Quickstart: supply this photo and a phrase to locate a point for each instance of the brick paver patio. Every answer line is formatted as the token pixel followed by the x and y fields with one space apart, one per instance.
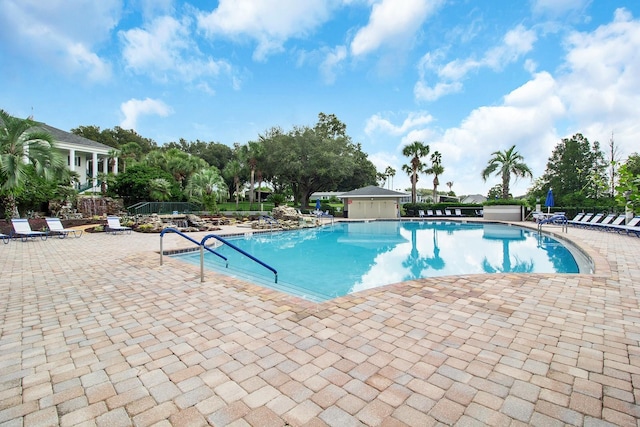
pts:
pixel 93 331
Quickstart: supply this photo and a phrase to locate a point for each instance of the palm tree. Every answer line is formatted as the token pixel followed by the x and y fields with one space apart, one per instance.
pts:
pixel 207 187
pixel 449 184
pixel 381 177
pixel 416 151
pixel 22 148
pixel 506 163
pixel 159 189
pixel 436 169
pixel 251 154
pixel 390 172
pixel 233 169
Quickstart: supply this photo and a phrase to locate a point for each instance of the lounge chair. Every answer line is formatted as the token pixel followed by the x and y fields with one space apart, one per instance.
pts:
pixel 594 220
pixel 479 212
pixel 113 226
pixel 582 220
pixel 578 217
pixel 56 227
pixel 606 221
pixel 22 229
pixel 5 238
pixel 632 227
pixel 447 212
pixel 615 223
pixel 421 213
pixel 458 212
pixel 439 212
pixel 429 212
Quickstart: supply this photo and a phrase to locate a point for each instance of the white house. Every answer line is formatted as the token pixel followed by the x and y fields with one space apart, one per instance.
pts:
pixel 85 157
pixel 372 202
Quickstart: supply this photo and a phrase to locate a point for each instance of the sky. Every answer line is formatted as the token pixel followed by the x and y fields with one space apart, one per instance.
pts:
pixel 468 78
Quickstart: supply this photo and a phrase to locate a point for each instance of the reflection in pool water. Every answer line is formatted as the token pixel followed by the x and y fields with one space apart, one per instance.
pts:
pixel 324 263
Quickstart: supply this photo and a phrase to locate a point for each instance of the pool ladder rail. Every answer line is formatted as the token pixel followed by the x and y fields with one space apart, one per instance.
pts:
pixel 203 247
pixel 557 219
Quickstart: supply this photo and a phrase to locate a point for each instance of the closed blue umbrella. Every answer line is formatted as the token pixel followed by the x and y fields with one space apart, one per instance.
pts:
pixel 549 201
pixel 317 204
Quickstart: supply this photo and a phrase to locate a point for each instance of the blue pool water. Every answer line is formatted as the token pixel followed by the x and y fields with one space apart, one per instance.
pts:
pixel 331 261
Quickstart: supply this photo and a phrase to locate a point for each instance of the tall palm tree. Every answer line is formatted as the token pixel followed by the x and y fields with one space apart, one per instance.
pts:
pixel 506 163
pixel 416 151
pixel 449 184
pixel 436 169
pixel 207 187
pixel 233 169
pixel 252 155
pixel 23 147
pixel 390 172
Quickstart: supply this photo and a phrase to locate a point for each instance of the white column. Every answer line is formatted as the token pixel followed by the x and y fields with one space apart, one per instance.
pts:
pixel 72 160
pixel 94 170
pixel 115 166
pixel 105 165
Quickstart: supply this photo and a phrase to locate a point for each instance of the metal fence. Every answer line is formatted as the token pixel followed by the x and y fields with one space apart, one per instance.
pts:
pixel 148 208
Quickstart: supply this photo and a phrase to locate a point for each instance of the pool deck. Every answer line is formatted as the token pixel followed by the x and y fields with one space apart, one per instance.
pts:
pixel 93 331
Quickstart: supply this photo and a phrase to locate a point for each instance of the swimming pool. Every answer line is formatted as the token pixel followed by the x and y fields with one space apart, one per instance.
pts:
pixel 327 262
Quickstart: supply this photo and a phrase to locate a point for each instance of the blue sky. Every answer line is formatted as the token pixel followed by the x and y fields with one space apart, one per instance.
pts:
pixel 465 77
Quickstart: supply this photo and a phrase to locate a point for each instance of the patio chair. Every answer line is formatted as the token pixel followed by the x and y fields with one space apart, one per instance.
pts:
pixel 421 213
pixel 582 220
pixel 458 212
pixel 5 238
pixel 615 223
pixel 429 212
pixel 632 227
pixel 22 229
pixel 606 221
pixel 56 227
pixel 113 226
pixel 439 212
pixel 447 212
pixel 594 220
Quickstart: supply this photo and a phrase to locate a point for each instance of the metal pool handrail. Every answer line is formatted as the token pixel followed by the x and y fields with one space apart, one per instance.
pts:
pixel 243 252
pixel 200 245
pixel 203 247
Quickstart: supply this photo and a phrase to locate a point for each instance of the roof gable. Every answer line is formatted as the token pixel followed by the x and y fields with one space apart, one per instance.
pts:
pixel 371 191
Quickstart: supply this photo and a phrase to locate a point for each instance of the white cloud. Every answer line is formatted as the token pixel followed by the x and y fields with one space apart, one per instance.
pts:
pixel 269 22
pixel 556 8
pixel 377 123
pixel 393 24
pixel 515 44
pixel 134 108
pixel 165 50
pixel 60 34
pixel 332 62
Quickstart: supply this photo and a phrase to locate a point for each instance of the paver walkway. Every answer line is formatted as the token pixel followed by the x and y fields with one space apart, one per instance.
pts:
pixel 93 331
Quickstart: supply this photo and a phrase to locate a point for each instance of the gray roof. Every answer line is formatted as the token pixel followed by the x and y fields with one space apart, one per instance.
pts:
pixel 68 137
pixel 371 191
pixel 71 138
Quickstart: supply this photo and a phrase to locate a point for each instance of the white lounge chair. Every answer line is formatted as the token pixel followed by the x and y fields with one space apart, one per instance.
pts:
pixel 56 227
pixel 421 213
pixel 23 230
pixel 615 223
pixel 632 227
pixel 447 212
pixel 606 221
pixel 582 220
pixel 458 212
pixel 114 226
pixel 439 212
pixel 429 212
